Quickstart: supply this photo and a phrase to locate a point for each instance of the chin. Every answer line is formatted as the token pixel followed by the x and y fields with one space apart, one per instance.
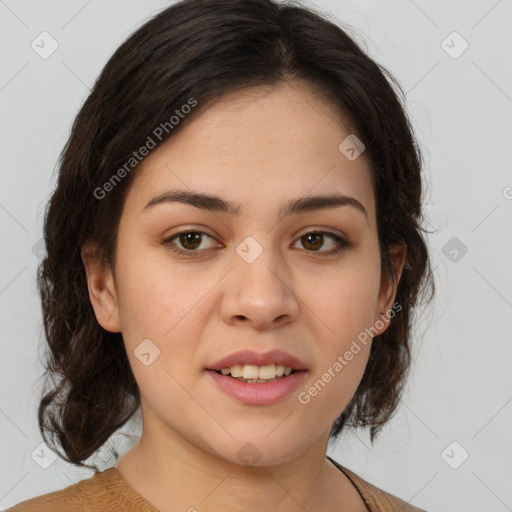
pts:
pixel 259 451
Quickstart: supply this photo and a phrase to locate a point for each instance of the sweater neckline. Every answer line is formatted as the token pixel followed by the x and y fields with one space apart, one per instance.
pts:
pixel 356 482
pixel 128 492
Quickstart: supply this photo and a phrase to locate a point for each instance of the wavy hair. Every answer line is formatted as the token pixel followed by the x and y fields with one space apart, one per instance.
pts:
pixel 203 49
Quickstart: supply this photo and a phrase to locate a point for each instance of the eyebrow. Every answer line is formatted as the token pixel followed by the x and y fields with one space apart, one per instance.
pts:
pixel 215 203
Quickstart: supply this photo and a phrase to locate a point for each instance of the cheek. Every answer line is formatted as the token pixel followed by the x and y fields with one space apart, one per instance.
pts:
pixel 344 299
pixel 162 304
pixel 156 296
pixel 336 374
pixel 343 304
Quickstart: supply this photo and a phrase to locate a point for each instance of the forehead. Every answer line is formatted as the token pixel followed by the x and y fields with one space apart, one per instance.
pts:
pixel 258 146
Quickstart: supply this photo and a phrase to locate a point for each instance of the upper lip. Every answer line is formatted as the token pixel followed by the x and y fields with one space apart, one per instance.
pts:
pixel 243 357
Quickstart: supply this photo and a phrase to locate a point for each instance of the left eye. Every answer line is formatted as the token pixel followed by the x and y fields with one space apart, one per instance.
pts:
pixel 315 239
pixel 190 242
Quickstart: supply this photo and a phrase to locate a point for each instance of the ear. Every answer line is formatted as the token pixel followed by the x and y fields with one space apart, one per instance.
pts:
pixel 389 287
pixel 102 292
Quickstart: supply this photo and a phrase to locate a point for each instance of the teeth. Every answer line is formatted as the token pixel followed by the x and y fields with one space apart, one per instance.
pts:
pixel 250 372
pixel 266 372
pixel 253 372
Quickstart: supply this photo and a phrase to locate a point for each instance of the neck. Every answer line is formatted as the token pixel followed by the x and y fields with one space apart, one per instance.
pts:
pixel 174 474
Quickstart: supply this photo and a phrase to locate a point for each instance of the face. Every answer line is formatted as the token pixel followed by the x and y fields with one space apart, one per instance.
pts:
pixel 194 284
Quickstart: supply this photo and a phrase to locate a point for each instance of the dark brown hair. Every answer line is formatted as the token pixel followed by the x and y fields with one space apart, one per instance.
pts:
pixel 202 49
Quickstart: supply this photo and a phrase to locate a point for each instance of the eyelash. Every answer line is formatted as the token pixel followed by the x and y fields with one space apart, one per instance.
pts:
pixel 342 244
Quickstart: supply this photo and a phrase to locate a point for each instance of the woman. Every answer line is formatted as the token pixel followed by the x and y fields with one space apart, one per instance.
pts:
pixel 234 245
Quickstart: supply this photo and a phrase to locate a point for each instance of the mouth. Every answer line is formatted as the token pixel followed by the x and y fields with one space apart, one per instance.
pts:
pixel 258 391
pixel 244 363
pixel 252 374
pixel 254 378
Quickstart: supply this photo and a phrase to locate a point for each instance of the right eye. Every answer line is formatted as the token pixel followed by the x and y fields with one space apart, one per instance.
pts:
pixel 190 241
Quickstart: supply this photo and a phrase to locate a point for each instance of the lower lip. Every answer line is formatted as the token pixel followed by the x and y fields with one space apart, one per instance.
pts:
pixel 258 394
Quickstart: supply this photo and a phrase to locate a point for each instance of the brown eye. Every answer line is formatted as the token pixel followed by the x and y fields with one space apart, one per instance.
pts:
pixel 315 240
pixel 191 237
pixel 188 242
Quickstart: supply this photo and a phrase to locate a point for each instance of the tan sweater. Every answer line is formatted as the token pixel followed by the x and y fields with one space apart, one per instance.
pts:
pixel 108 491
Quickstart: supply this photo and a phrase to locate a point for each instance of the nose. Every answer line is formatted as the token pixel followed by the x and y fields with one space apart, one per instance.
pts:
pixel 259 294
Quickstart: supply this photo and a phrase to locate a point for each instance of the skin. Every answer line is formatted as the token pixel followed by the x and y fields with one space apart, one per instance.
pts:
pixel 258 147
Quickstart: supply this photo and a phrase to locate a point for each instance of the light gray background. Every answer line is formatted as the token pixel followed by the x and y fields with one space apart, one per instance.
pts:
pixel 460 385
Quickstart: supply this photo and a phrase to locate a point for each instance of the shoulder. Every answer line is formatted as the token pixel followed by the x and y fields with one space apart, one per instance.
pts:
pixel 103 491
pixel 375 498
